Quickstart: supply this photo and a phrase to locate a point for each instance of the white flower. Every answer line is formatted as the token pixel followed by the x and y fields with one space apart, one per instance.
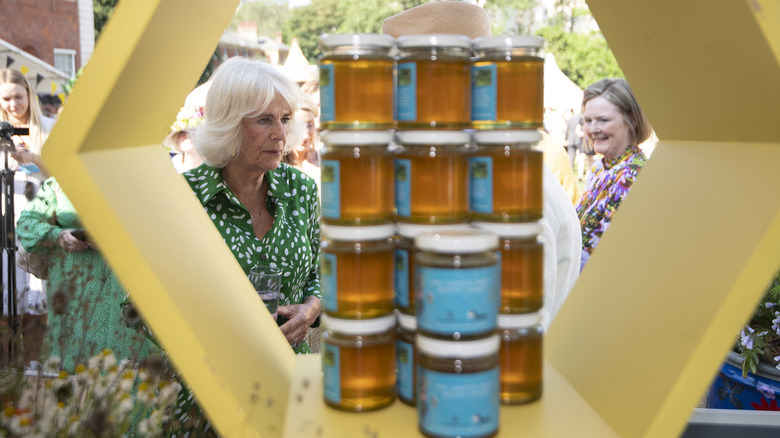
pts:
pixel 52 365
pixel 167 394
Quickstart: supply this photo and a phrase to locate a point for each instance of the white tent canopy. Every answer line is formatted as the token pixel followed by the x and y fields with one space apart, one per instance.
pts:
pixel 44 77
pixel 560 93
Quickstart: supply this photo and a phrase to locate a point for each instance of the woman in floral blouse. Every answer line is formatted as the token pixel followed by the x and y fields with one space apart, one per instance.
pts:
pixel 615 125
pixel 266 211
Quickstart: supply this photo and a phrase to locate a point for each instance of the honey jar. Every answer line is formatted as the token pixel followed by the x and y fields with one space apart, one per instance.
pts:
pixel 457 284
pixel 358 363
pixel 356 270
pixel 521 357
pixel 522 265
pixel 404 257
pixel 357 177
pixel 433 81
pixel 431 177
pixel 507 84
pixel 356 81
pixel 505 176
pixel 458 387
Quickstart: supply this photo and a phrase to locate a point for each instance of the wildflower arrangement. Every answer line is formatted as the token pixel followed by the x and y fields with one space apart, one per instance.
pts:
pixel 759 341
pixel 102 398
pixel 189 117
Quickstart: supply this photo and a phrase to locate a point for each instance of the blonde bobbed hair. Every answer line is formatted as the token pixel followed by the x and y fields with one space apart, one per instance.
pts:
pixel 239 88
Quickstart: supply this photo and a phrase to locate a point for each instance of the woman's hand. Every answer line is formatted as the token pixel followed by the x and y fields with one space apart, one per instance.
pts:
pixel 300 317
pixel 23 156
pixel 70 243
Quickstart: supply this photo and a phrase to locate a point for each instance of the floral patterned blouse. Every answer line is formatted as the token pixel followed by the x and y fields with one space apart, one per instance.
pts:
pixel 605 189
pixel 293 242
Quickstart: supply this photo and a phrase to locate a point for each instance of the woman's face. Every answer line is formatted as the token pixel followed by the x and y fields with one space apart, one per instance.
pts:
pixel 310 122
pixel 605 127
pixel 14 101
pixel 266 134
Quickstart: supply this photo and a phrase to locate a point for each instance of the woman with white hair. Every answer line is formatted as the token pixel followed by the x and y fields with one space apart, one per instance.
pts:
pixel 266 210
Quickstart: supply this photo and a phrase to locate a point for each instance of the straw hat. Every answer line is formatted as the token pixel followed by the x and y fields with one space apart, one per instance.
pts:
pixel 452 17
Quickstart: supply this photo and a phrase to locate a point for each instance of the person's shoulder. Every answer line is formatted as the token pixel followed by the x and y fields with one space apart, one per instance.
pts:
pixel 47 123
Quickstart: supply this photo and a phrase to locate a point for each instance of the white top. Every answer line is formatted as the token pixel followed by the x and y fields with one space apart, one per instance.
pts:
pixel 357 137
pixel 434 40
pixel 366 40
pixel 433 137
pixel 509 42
pixel 457 241
pixel 362 233
pixel 507 136
pixel 515 229
pixel 515 321
pixel 370 326
pixel 410 231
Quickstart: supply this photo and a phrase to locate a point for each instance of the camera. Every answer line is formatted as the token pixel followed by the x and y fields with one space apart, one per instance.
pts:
pixel 6 132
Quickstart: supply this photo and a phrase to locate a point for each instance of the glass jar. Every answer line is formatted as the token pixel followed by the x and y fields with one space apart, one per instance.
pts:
pixel 457 284
pixel 405 354
pixel 404 258
pixel 505 176
pixel 522 265
pixel 458 387
pixel 358 363
pixel 356 81
pixel 357 177
pixel 507 82
pixel 521 357
pixel 431 177
pixel 433 81
pixel 356 270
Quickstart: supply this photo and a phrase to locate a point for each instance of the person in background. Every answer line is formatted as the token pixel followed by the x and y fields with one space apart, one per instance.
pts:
pixel 19 105
pixel 574 135
pixel 246 189
pixel 556 159
pixel 85 316
pixel 303 156
pixel 179 140
pixel 560 227
pixel 615 125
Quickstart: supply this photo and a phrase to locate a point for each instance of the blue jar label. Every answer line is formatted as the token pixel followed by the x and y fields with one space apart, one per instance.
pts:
pixel 331 370
pixel 327 93
pixel 401 278
pixel 330 180
pixel 403 187
pixel 481 184
pixel 461 300
pixel 406 93
pixel 464 405
pixel 405 368
pixel 328 280
pixel 483 92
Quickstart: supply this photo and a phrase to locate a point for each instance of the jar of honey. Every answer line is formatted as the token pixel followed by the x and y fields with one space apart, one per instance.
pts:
pixel 522 265
pixel 406 362
pixel 431 177
pixel 356 270
pixel 357 177
pixel 505 176
pixel 433 81
pixel 507 82
pixel 356 81
pixel 458 387
pixel 404 257
pixel 457 284
pixel 358 363
pixel 521 357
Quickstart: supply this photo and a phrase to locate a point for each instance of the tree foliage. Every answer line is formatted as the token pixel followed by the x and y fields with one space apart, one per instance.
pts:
pixel 103 9
pixel 269 15
pixel 584 58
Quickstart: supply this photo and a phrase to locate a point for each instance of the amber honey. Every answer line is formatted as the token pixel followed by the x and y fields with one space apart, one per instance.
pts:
pixel 521 358
pixel 522 265
pixel 433 82
pixel 356 81
pixel 358 363
pixel 505 176
pixel 431 177
pixel 508 83
pixel 356 271
pixel 357 178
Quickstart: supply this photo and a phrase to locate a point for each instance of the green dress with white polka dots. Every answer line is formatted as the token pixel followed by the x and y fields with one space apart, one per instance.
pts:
pixel 293 242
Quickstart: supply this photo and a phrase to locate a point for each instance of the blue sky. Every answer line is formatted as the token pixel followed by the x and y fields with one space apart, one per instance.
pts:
pixel 296 3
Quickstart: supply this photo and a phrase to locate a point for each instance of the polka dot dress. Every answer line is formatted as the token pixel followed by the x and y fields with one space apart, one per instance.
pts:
pixel 292 244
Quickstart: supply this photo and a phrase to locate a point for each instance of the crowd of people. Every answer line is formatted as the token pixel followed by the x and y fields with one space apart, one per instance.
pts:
pixel 244 141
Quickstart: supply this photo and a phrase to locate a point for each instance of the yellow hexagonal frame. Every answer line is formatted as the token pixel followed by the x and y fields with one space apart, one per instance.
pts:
pixel 644 329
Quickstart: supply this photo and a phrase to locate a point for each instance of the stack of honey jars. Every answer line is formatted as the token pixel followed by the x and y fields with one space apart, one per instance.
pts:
pixel 357 250
pixel 431 141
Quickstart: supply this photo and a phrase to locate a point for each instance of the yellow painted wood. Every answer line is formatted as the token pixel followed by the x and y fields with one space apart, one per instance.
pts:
pixel 561 412
pixel 106 153
pixel 767 14
pixel 631 352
